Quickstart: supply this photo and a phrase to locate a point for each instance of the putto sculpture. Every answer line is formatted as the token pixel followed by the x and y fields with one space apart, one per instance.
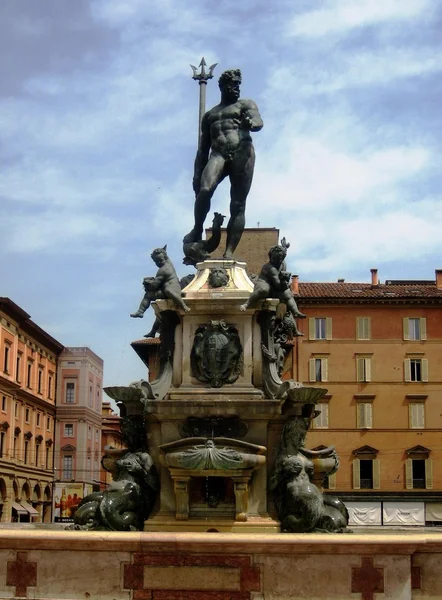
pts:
pixel 225 149
pixel 165 284
pixel 274 282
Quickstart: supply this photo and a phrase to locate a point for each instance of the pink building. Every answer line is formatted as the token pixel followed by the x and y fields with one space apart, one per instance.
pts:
pixel 28 367
pixel 78 429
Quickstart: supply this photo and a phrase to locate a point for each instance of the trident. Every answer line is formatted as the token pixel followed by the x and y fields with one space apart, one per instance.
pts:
pixel 202 77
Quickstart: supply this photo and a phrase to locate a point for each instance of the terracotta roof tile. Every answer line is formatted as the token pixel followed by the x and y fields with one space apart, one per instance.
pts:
pixel 366 290
pixel 147 342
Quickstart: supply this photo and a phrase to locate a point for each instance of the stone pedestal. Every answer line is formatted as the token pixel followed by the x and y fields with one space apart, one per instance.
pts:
pixel 188 396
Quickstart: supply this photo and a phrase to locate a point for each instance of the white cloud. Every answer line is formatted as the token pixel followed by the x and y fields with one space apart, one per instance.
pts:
pixel 339 16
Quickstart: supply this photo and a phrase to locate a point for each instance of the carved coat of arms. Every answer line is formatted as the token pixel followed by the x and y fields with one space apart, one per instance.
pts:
pixel 217 356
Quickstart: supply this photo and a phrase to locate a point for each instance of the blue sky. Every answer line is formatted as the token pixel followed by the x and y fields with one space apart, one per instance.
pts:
pixel 98 117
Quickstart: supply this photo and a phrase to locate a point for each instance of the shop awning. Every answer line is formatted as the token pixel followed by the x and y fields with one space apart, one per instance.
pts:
pixel 30 509
pixel 19 508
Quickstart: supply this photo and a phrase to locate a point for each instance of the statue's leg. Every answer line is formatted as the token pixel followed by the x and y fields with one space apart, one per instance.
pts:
pixel 155 328
pixel 212 175
pixel 241 177
pixel 293 308
pixel 144 305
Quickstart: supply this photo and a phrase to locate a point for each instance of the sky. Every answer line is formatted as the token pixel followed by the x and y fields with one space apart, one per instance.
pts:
pixel 98 129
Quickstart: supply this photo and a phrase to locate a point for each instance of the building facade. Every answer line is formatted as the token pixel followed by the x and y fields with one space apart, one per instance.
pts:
pixel 78 429
pixel 377 349
pixel 110 436
pixel 28 368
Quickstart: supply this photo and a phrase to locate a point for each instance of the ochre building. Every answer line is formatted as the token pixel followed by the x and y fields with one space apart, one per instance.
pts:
pixel 28 367
pixel 377 349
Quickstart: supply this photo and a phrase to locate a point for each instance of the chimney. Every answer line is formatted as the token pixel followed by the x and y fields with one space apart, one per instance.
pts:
pixel 374 277
pixel 439 279
pixel 295 285
pixel 341 280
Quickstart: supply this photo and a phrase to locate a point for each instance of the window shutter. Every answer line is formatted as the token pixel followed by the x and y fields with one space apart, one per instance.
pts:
pixel 324 369
pixel 368 331
pixel 359 328
pixel 324 414
pixel 376 474
pixel 407 369
pixel 328 328
pixel 360 416
pixel 332 482
pixel 423 328
pixel 311 328
pixel 368 415
pixel 409 474
pixel 429 474
pixel 424 369
pixel 367 369
pixel 360 369
pixel 406 328
pixel 311 369
pixel 412 415
pixel 356 474
pixel 421 415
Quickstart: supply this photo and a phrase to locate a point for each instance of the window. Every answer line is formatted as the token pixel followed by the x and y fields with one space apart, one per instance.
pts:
pixel 27 415
pixel 48 424
pixel 38 419
pixel 415 328
pixel 26 452
pixel 14 448
pixel 366 473
pixel 98 400
pixel 320 328
pixel 363 328
pixel 91 400
pixel 69 430
pixel 29 375
pixel 416 369
pixel 318 369
pixel 364 415
pixel 49 386
pixel 419 474
pixel 6 359
pixel 18 368
pixel 88 467
pixel 96 435
pixel 89 432
pixel 47 457
pixel 363 368
pixel 37 454
pixel 70 392
pixel 39 382
pixel 416 415
pixel 68 462
pixel 321 421
pixel 4 403
pixel 16 410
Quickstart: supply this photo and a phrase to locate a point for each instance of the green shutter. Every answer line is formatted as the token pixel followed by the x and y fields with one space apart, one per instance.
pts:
pixel 407 369
pixel 409 474
pixel 376 474
pixel 328 328
pixel 406 328
pixel 324 369
pixel 332 482
pixel 311 370
pixel 423 328
pixel 356 474
pixel 424 369
pixel 359 369
pixel 367 369
pixel 429 474
pixel 311 328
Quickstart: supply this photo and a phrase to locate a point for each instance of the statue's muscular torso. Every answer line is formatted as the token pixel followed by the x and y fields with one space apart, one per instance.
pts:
pixel 224 124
